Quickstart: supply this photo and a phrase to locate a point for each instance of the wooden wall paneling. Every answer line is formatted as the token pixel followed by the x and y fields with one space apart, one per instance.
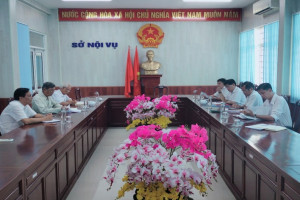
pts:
pixel 3 103
pixel 119 90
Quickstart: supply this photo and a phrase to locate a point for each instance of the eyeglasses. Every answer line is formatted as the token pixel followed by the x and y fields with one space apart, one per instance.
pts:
pixel 50 90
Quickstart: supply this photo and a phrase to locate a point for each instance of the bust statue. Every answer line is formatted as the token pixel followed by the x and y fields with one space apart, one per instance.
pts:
pixel 150 66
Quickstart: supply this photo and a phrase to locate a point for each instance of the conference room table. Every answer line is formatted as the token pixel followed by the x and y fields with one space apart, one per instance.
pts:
pixel 44 160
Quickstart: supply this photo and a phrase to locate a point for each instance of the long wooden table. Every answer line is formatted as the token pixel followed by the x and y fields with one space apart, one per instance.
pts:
pixel 44 161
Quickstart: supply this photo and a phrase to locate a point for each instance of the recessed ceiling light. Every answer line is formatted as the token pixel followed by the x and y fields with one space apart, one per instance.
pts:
pixel 208 1
pixel 86 0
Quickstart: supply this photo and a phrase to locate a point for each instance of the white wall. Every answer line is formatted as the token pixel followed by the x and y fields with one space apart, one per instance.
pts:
pixel 33 18
pixel 250 21
pixel 9 61
pixel 192 53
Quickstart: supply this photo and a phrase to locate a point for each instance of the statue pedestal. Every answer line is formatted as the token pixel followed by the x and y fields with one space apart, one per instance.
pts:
pixel 149 82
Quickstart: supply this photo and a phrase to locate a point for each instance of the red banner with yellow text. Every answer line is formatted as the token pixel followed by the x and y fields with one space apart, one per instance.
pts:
pixel 150 14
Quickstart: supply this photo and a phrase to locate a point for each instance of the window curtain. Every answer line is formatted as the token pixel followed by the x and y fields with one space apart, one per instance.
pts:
pixel 247 56
pixel 24 56
pixel 271 54
pixel 295 86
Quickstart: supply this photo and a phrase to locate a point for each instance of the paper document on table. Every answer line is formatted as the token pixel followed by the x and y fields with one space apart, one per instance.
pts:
pixel 267 127
pixel 235 111
pixel 52 121
pixel 6 140
pixel 243 116
pixel 75 110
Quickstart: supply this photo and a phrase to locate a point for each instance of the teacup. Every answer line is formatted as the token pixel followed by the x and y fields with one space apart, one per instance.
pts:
pixel 237 122
pixel 92 103
pixel 203 101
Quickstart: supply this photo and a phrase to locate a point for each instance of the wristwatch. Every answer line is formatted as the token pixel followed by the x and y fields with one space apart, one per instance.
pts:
pixel 220 92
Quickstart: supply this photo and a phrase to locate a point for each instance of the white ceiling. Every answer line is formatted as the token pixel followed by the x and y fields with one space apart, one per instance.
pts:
pixel 171 4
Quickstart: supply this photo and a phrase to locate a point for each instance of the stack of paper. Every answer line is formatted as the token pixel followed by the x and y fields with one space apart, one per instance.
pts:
pixel 234 111
pixel 243 116
pixel 267 127
pixel 75 110
pixel 52 121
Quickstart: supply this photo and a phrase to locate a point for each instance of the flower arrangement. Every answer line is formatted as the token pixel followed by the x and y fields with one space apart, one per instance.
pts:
pixel 159 111
pixel 158 163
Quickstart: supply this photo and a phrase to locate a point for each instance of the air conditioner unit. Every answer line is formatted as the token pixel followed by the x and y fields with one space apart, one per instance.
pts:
pixel 265 6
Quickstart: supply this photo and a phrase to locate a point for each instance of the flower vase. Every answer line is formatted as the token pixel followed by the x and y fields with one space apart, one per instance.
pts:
pixel 135 196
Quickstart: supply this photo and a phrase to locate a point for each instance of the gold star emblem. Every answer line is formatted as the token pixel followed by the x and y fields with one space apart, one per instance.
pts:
pixel 150 31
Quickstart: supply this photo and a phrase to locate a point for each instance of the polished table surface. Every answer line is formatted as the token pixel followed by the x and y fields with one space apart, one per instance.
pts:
pixel 282 148
pixel 33 141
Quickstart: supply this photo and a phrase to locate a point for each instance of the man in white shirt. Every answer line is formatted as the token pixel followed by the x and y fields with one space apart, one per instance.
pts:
pixel 61 95
pixel 18 112
pixel 236 95
pixel 43 101
pixel 253 98
pixel 221 89
pixel 275 108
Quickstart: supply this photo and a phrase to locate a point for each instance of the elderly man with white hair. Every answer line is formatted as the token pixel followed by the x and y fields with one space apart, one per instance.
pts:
pixel 61 97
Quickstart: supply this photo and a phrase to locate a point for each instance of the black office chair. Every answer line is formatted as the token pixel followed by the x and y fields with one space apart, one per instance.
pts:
pixel 286 97
pixel 296 117
pixel 240 85
pixel 161 90
pixel 10 99
pixel 77 94
pixel 35 93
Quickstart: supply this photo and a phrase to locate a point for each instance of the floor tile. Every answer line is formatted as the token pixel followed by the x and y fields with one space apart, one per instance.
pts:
pixel 92 186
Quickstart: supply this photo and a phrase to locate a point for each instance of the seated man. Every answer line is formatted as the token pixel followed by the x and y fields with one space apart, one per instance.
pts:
pixel 43 101
pixel 221 89
pixel 60 95
pixel 18 112
pixel 253 98
pixel 236 95
pixel 275 108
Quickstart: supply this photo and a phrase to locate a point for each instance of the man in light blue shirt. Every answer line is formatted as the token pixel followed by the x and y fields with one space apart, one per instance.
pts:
pixel 43 101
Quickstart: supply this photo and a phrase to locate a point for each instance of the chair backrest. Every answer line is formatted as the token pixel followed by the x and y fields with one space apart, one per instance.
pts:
pixel 287 98
pixel 161 90
pixel 77 94
pixel 240 85
pixel 34 93
pixel 10 99
pixel 296 117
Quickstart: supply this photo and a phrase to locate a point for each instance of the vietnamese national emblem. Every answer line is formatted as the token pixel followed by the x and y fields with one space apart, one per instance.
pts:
pixel 150 35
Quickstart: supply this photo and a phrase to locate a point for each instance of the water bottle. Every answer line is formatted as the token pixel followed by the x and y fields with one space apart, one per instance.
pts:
pixel 63 114
pixel 222 107
pixel 97 96
pixel 210 102
pixel 86 103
